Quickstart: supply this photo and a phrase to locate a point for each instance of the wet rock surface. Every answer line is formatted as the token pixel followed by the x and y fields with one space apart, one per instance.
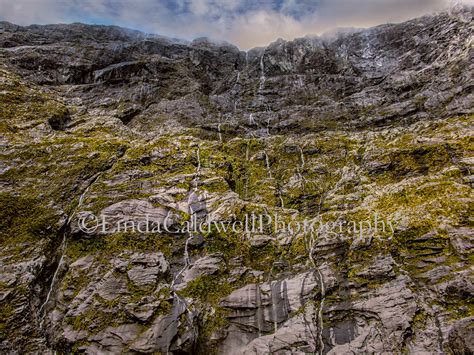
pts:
pixel 363 128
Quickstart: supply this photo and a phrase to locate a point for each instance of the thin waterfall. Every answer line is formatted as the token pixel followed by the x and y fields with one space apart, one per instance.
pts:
pixel 251 119
pixel 267 163
pixel 300 168
pixel 301 157
pixel 282 203
pixel 275 295
pixel 219 131
pixel 198 153
pixel 186 252
pixel 191 211
pixel 236 90
pixel 260 315
pixel 247 158
pixel 320 311
pixel 62 248
pixel 262 76
pixel 198 169
pixel 332 336
pixel 311 242
pixel 53 280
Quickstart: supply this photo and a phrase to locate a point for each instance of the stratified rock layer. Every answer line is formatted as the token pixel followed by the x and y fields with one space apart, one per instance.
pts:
pixel 368 126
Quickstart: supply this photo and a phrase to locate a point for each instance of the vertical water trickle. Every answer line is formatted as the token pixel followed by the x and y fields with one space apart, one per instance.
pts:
pixel 198 168
pixel 282 204
pixel 332 336
pixel 186 253
pixel 300 81
pixel 247 158
pixel 62 251
pixel 300 168
pixel 192 195
pixel 302 157
pixel 259 314
pixel 219 131
pixel 251 119
pixel 320 311
pixel 236 91
pixel 262 77
pixel 275 292
pixel 267 163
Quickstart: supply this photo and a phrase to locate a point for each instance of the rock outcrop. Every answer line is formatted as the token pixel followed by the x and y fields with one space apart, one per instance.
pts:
pixel 355 148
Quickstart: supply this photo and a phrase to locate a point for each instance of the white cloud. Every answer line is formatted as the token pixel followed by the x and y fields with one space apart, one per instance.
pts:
pixel 243 22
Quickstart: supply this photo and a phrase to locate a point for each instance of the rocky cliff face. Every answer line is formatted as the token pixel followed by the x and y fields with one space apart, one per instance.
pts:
pixel 335 132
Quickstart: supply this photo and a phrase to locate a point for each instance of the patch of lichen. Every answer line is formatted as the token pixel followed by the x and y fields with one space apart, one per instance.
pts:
pixel 417 160
pixel 104 246
pixel 97 318
pixel 428 203
pixel 213 322
pixel 25 219
pixel 7 313
pixel 459 307
pixel 163 295
pixel 208 289
pixel 228 243
pixel 24 106
pixel 13 311
pixel 54 169
pixel 232 245
pixel 73 283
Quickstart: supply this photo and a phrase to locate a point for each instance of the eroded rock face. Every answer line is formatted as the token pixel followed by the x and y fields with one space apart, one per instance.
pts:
pixel 387 73
pixel 362 128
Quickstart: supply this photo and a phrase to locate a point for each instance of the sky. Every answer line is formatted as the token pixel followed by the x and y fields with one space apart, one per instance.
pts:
pixel 245 23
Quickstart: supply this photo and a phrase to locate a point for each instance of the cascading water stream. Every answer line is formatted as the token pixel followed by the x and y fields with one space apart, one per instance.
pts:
pixel 268 125
pixel 62 249
pixel 302 165
pixel 302 157
pixel 219 132
pixel 282 203
pixel 262 77
pixel 311 242
pixel 259 314
pixel 274 302
pixel 267 164
pixel 53 280
pixel 191 195
pixel 251 119
pixel 187 261
pixel 320 311
pixel 236 90
pixel 198 169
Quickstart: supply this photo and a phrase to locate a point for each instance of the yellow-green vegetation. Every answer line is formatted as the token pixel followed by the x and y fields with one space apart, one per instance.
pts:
pixel 25 106
pixel 25 219
pixel 212 323
pixel 97 318
pixel 104 247
pixel 207 288
pixel 413 176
